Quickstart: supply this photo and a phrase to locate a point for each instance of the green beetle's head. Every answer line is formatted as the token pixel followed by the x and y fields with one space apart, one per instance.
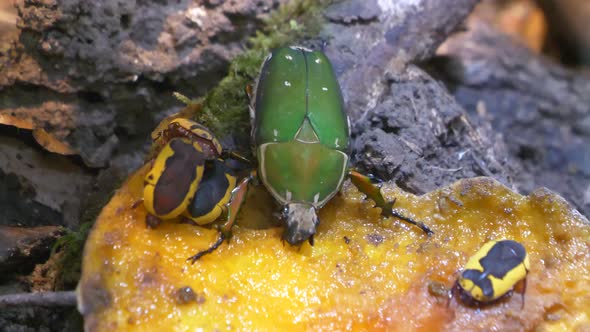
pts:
pixel 301 220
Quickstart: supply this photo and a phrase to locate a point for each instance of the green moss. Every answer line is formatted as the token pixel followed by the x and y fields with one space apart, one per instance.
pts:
pixel 68 250
pixel 225 108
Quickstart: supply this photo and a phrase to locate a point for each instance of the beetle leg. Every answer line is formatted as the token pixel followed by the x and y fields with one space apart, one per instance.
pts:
pixel 228 154
pixel 136 203
pixel 452 292
pixel 152 221
pixel 366 186
pixel 188 221
pixel 523 291
pixel 238 196
pixel 209 250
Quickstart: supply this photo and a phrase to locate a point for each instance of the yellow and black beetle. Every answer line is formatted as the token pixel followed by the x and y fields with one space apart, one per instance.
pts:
pixel 492 272
pixel 194 131
pixel 171 183
pixel 188 179
pixel 167 193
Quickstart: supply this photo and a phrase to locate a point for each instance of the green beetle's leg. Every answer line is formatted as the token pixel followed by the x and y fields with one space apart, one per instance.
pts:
pixel 367 187
pixel 238 196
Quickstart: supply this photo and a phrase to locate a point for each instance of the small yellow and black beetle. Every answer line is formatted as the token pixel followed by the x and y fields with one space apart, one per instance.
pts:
pixel 493 272
pixel 171 184
pixel 195 132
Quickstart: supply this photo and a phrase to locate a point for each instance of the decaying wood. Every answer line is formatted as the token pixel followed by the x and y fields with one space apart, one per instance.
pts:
pixel 91 80
pixel 22 248
pixel 541 108
pixel 406 126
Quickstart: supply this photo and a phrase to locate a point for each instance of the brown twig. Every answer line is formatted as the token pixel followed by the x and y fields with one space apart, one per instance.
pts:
pixel 46 299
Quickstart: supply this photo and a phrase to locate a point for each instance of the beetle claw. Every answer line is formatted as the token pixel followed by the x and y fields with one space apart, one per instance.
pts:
pixel 152 221
pixel 209 250
pixel 452 292
pixel 136 204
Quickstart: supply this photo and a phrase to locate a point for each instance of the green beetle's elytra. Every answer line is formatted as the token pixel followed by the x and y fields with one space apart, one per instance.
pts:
pixel 493 272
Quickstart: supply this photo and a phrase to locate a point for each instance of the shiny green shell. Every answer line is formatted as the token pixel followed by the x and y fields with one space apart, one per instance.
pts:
pixel 301 131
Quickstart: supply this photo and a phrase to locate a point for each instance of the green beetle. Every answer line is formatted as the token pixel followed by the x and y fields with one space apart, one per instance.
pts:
pixel 301 136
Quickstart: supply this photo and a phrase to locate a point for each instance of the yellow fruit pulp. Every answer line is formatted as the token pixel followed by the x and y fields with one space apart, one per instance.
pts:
pixel 363 273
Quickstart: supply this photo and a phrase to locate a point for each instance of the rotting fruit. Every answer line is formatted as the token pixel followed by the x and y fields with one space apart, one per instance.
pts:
pixel 363 273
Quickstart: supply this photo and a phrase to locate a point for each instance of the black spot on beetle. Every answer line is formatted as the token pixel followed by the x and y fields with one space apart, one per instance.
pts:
pixel 502 258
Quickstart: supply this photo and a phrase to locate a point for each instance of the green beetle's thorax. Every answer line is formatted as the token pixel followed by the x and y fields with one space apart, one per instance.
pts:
pixel 302 172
